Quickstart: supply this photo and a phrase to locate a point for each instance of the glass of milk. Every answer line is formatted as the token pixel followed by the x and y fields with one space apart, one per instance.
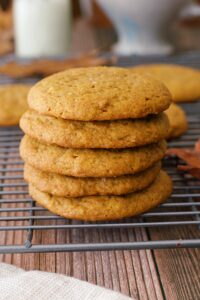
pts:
pixel 42 27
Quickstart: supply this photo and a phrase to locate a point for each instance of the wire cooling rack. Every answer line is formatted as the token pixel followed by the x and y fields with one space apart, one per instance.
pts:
pixel 27 227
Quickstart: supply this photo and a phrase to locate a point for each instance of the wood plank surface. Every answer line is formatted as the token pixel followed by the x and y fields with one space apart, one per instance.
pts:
pixel 131 272
pixel 179 269
pixel 143 274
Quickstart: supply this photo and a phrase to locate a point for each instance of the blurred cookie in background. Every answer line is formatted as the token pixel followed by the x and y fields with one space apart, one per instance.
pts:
pixel 183 82
pixel 178 121
pixel 13 103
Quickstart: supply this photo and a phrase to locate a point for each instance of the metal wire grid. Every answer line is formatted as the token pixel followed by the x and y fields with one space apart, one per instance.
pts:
pixel 182 209
pixel 190 59
pixel 19 213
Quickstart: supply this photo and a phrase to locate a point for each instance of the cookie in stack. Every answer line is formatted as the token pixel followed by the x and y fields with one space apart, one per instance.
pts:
pixel 94 141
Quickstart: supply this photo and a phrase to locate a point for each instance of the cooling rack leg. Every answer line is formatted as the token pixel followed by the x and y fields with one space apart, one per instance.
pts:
pixel 193 207
pixel 29 236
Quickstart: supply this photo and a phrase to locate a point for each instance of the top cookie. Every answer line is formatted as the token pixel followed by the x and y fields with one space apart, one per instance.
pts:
pixel 183 82
pixel 99 93
pixel 13 103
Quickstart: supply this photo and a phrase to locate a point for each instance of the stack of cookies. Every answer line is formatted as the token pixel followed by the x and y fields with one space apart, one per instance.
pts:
pixel 94 141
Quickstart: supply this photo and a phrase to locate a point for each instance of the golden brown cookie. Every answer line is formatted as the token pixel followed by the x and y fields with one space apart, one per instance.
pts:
pixel 99 93
pixel 90 162
pixel 96 208
pixel 182 82
pixel 178 121
pixel 104 134
pixel 13 103
pixel 67 186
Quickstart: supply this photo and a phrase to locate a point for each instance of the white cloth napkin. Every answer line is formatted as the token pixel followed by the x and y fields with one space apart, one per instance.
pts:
pixel 17 284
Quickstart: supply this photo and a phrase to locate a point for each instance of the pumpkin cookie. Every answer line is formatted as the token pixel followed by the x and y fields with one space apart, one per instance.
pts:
pixel 96 208
pixel 66 186
pixel 99 93
pixel 104 134
pixel 13 103
pixel 178 121
pixel 90 162
pixel 182 82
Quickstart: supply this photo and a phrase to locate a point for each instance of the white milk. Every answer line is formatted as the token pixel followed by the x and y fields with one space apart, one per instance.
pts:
pixel 42 27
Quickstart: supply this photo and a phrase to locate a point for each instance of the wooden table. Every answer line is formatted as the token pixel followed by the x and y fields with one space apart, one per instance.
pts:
pixel 143 274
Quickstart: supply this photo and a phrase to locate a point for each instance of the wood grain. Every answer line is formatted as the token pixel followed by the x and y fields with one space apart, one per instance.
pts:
pixel 130 272
pixel 178 268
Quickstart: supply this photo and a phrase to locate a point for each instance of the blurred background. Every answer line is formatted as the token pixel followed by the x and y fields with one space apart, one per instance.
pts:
pixel 38 28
